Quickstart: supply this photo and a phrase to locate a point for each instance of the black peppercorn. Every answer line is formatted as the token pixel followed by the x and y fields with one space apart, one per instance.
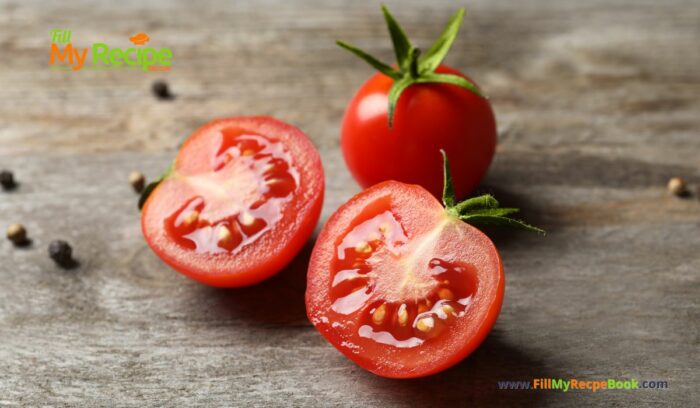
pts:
pixel 162 91
pixel 7 180
pixel 61 252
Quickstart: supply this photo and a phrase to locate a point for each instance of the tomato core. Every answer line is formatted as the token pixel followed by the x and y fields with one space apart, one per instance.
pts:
pixel 403 294
pixel 239 198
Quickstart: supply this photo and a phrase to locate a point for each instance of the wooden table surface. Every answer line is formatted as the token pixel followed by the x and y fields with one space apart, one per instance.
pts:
pixel 597 105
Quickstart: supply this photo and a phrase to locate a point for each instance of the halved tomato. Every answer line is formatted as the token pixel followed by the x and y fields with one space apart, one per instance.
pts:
pixel 401 285
pixel 241 199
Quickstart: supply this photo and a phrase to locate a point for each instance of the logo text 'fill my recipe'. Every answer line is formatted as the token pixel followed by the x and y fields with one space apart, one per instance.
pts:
pixel 64 55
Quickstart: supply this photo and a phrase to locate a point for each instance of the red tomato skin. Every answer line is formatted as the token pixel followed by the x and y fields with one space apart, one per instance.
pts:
pixel 273 251
pixel 440 356
pixel 428 117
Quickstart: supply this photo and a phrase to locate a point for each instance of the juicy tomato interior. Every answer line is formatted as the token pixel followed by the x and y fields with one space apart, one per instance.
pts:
pixel 399 286
pixel 237 196
pixel 244 196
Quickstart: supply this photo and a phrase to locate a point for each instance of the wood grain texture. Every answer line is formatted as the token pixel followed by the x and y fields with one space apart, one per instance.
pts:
pixel 597 104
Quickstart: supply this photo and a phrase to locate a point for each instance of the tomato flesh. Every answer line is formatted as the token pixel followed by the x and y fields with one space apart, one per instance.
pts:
pixel 239 199
pixel 244 195
pixel 401 287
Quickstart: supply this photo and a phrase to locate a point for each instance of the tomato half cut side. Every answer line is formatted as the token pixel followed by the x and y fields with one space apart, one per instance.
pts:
pixel 242 198
pixel 400 286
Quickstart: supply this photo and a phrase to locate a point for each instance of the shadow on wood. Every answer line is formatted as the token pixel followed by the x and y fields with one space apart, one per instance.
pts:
pixel 474 381
pixel 278 300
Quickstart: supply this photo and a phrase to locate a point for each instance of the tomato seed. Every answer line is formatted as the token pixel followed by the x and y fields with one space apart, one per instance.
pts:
pixel 190 218
pixel 379 314
pixel 224 234
pixel 246 218
pixel 446 294
pixel 425 324
pixel 402 315
pixel 363 248
pixel 447 309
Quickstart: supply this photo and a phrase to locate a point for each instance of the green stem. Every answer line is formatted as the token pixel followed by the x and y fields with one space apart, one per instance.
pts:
pixel 415 53
pixel 414 68
pixel 482 210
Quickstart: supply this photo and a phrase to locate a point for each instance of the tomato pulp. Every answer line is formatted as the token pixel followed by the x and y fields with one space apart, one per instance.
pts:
pixel 399 285
pixel 243 196
pixel 428 117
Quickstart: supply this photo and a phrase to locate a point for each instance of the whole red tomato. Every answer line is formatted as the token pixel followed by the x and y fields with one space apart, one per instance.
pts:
pixel 397 122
